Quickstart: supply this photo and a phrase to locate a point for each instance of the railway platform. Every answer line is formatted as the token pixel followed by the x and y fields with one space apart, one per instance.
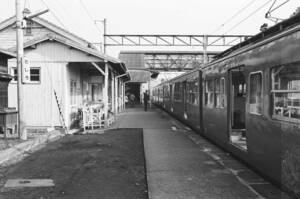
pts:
pixel 182 164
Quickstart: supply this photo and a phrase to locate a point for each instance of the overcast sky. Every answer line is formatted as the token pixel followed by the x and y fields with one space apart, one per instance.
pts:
pixel 155 16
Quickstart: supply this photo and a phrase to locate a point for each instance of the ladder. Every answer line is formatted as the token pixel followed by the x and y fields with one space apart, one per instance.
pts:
pixel 61 116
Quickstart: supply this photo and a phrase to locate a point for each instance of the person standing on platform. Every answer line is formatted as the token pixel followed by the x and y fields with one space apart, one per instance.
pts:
pixel 146 99
pixel 132 98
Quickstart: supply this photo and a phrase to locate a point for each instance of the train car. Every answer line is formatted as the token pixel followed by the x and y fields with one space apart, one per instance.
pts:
pixel 248 102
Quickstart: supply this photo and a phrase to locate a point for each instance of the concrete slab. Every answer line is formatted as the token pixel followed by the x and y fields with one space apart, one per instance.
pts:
pixel 195 185
pixel 182 164
pixel 19 183
pixel 176 168
pixel 152 120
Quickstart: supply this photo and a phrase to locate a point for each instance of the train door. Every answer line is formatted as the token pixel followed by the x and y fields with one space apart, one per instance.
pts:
pixel 237 110
pixel 200 100
pixel 184 100
pixel 171 97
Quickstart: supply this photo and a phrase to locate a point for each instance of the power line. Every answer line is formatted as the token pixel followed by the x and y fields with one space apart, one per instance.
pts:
pixel 89 15
pixel 233 16
pixel 59 21
pixel 26 4
pixel 248 16
pixel 64 12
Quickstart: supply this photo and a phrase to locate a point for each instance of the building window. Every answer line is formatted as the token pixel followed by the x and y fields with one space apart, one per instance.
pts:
pixel 3 94
pixel 14 73
pixel 255 101
pixel 73 87
pixel 286 92
pixel 209 93
pixel 35 74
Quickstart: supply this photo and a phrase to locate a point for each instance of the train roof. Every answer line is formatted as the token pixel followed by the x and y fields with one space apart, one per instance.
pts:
pixel 269 32
pixel 264 35
pixel 179 76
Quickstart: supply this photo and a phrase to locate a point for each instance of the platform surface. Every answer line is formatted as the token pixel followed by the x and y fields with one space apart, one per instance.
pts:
pixel 182 164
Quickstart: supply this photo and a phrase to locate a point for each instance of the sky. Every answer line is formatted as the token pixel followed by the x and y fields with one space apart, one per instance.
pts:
pixel 155 17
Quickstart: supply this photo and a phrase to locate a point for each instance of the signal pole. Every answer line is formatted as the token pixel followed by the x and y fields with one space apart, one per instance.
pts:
pixel 20 55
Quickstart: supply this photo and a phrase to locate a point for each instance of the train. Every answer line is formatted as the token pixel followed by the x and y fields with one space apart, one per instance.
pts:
pixel 247 101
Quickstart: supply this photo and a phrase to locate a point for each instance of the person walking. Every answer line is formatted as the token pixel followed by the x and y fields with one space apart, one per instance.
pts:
pixel 132 98
pixel 146 99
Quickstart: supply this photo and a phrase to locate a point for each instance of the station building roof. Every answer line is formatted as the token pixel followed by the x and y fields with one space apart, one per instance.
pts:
pixel 65 37
pixel 6 53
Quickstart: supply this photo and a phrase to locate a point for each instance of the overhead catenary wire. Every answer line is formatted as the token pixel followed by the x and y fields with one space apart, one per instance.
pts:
pixel 247 17
pixel 241 21
pixel 89 15
pixel 233 16
pixel 26 4
pixel 54 15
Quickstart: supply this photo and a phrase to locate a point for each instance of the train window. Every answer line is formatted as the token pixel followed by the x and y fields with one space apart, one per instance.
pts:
pixel 219 90
pixel 192 88
pixel 166 93
pixel 196 91
pixel 177 89
pixel 222 93
pixel 217 99
pixel 209 93
pixel 256 101
pixel 286 92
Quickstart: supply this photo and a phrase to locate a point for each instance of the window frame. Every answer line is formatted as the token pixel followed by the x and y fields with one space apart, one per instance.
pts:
pixel 262 90
pixel 73 98
pixel 206 93
pixel 222 94
pixel 13 69
pixel 15 75
pixel 273 92
pixel 35 82
pixel 178 92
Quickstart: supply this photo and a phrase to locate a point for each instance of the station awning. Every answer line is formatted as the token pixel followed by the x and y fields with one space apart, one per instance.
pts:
pixel 139 76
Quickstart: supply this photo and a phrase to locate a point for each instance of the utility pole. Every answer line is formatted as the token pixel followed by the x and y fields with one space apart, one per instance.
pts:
pixel 20 55
pixel 205 43
pixel 104 35
pixel 20 64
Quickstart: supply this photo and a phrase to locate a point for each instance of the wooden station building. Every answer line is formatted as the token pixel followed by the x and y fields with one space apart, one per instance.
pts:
pixel 8 116
pixel 65 73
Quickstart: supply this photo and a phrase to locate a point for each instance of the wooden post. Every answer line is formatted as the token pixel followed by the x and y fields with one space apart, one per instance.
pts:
pixel 122 96
pixel 112 91
pixel 116 96
pixel 105 91
pixel 20 55
pixel 124 93
pixel 150 90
